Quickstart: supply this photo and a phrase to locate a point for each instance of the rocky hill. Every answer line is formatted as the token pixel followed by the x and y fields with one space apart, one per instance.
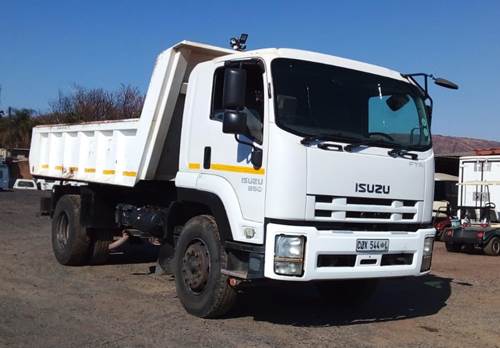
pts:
pixel 447 144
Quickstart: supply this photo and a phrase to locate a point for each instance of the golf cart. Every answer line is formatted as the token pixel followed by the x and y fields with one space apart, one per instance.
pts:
pixel 479 226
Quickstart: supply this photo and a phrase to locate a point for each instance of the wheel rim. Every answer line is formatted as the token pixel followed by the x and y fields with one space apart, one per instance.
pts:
pixel 496 246
pixel 196 266
pixel 62 234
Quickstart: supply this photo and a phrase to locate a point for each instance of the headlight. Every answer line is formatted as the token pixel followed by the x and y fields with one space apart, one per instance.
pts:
pixel 428 246
pixel 289 246
pixel 289 255
pixel 427 254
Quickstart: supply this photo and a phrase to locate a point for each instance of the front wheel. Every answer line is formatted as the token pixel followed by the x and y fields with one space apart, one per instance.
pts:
pixel 199 257
pixel 493 247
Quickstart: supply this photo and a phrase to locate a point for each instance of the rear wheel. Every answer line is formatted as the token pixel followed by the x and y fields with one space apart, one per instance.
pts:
pixel 347 291
pixel 199 257
pixel 452 247
pixel 493 247
pixel 70 242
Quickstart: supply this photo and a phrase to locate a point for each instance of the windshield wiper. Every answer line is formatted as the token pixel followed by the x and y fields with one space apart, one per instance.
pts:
pixel 396 151
pixel 400 152
pixel 310 139
pixel 363 142
pixel 319 138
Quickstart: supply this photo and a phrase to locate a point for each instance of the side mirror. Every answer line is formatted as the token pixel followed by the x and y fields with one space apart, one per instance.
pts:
pixel 233 95
pixel 234 122
pixel 445 83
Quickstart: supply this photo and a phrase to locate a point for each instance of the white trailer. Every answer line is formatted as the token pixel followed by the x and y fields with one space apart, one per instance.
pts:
pixel 274 164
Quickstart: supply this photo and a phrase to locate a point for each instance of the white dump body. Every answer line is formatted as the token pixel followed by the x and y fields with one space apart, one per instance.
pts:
pixel 125 151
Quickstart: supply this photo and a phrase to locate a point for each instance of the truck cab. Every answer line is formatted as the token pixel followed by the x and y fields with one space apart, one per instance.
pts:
pixel 330 176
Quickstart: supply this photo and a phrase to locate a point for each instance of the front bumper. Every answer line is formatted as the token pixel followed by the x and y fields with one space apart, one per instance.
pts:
pixel 343 242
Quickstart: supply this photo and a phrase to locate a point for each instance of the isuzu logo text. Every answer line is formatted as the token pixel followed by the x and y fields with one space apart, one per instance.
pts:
pixel 372 188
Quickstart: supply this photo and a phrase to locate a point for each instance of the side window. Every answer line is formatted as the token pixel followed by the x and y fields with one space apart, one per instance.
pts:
pixel 217 112
pixel 254 99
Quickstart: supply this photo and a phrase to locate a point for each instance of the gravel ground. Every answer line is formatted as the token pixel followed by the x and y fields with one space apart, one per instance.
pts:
pixel 43 304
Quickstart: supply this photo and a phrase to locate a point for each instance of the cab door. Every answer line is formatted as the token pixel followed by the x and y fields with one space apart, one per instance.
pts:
pixel 229 158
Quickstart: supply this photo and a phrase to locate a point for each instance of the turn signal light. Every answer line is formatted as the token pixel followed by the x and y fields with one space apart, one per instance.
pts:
pixel 480 234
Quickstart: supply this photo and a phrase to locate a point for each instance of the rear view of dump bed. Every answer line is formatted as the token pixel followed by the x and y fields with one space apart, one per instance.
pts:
pixel 126 151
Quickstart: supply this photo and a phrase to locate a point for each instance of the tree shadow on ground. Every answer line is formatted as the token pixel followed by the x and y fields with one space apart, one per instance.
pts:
pixel 300 304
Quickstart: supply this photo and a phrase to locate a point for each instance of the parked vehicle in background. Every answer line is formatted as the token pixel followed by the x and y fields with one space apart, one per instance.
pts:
pixel 480 229
pixel 47 184
pixel 4 176
pixel 25 184
pixel 246 169
pixel 441 217
pixel 478 206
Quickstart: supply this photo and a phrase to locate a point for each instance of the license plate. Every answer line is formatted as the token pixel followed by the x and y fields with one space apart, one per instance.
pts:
pixel 372 245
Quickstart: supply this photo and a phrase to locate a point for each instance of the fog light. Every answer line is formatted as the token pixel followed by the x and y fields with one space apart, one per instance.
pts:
pixel 427 254
pixel 288 268
pixel 289 255
pixel 249 232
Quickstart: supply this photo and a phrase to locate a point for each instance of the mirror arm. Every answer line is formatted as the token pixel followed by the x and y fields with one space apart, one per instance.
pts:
pixel 254 149
pixel 244 142
pixel 425 88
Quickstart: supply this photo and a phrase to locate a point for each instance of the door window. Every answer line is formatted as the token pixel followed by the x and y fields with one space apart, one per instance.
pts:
pixel 254 98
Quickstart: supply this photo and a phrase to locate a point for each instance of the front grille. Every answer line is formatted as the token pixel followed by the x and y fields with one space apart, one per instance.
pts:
pixel 362 209
pixel 347 260
pixel 396 259
pixel 336 260
pixel 367 215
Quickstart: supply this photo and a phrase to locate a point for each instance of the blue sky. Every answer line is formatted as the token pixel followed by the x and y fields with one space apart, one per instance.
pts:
pixel 48 46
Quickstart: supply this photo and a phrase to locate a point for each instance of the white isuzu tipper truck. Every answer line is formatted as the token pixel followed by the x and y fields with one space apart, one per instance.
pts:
pixel 273 164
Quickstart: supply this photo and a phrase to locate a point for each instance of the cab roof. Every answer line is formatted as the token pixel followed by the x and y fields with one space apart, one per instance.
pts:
pixel 220 53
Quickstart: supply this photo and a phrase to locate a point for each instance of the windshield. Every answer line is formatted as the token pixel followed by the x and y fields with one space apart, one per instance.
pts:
pixel 314 99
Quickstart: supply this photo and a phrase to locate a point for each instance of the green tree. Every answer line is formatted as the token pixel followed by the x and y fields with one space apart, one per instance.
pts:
pixel 15 129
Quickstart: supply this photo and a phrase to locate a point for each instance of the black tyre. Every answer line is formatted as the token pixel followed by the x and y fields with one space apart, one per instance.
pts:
pixel 452 247
pixel 199 257
pixel 493 247
pixel 351 292
pixel 70 242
